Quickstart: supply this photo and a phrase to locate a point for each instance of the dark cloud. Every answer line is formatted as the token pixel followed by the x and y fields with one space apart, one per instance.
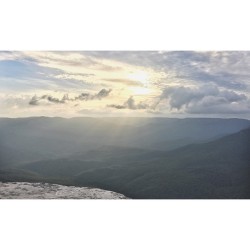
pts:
pixel 205 99
pixel 130 104
pixel 35 100
pixel 86 96
pixel 53 99
pixel 117 106
pixel 82 97
pixel 103 93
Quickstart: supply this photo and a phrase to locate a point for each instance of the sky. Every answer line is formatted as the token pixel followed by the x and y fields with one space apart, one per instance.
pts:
pixel 125 83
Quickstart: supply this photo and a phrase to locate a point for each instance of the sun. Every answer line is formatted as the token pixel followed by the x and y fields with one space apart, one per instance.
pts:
pixel 139 76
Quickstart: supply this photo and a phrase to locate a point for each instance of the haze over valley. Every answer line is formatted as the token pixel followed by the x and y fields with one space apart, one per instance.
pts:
pixel 138 157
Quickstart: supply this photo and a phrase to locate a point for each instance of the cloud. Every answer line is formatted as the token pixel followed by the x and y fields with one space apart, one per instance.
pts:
pixel 130 104
pixel 229 69
pixel 86 96
pixel 205 99
pixel 35 100
pixel 13 101
pixel 202 82
pixel 124 81
pixel 103 93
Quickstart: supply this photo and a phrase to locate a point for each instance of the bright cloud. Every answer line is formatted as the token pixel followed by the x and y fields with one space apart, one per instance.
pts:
pixel 142 82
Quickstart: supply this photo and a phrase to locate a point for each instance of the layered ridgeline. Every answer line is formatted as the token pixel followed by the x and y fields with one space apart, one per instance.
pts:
pixel 39 138
pixel 138 157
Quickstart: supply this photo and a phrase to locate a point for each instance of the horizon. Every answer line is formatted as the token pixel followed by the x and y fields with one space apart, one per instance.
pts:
pixel 173 84
pixel 126 117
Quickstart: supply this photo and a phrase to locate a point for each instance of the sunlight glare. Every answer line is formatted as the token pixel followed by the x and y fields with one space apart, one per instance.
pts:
pixel 140 76
pixel 141 91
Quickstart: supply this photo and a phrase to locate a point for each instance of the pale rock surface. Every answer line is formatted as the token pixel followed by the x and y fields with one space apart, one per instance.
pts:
pixel 25 190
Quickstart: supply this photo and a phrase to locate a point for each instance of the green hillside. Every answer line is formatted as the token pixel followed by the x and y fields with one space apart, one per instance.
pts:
pixel 218 169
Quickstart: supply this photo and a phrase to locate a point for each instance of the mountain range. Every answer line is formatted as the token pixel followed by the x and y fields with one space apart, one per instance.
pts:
pixel 142 158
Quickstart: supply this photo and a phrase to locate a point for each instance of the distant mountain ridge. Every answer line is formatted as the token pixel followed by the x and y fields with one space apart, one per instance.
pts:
pixel 215 169
pixel 24 140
